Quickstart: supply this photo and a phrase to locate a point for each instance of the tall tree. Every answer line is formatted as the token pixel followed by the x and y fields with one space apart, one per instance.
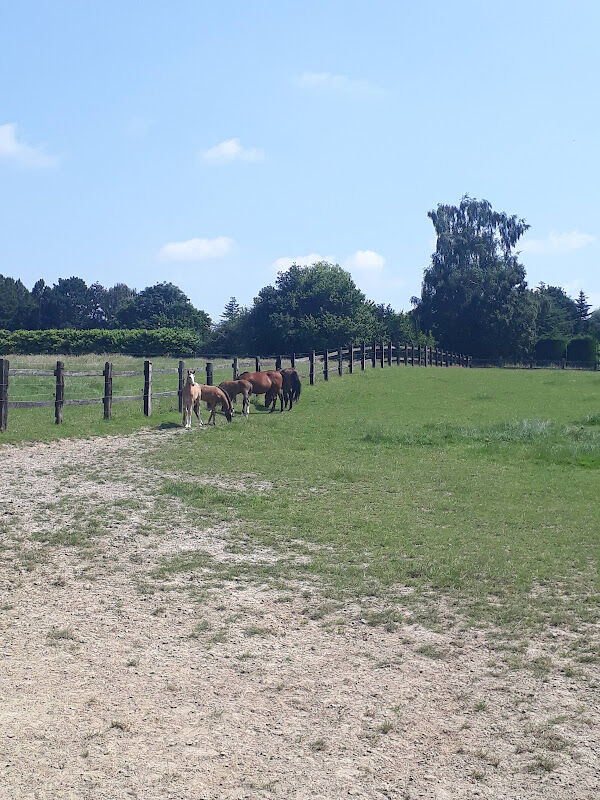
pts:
pixel 583 312
pixel 557 313
pixel 309 307
pixel 232 310
pixel 17 307
pixel 474 296
pixel 163 305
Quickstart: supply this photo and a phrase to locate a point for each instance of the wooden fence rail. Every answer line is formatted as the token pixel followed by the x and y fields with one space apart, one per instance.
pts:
pixel 380 354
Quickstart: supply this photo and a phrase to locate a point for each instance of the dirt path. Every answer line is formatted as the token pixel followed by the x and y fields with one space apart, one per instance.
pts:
pixel 114 684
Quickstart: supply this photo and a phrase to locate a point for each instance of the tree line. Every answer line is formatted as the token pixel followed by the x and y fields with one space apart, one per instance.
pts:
pixel 308 308
pixel 474 299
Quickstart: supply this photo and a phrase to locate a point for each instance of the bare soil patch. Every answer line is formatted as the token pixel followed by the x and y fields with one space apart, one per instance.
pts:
pixel 115 684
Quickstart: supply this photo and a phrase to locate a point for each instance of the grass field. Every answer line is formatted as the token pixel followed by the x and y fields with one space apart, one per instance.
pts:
pixel 480 485
pixel 400 576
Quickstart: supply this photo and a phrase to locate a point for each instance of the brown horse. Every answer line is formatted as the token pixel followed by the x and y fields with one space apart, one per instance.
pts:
pixel 291 386
pixel 213 396
pixel 268 383
pixel 233 388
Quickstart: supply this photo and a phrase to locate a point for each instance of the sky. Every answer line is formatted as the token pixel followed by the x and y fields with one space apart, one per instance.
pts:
pixel 212 144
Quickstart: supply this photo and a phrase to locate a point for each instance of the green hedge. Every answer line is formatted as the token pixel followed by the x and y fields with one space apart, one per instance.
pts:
pixel 550 349
pixel 158 342
pixel 582 348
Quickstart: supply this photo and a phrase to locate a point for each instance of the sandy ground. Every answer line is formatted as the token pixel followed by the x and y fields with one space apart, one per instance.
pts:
pixel 116 685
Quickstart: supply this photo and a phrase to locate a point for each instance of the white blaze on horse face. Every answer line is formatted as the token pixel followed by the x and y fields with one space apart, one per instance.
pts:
pixel 192 375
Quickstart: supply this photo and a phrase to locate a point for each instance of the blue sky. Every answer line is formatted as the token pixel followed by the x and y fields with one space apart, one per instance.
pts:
pixel 211 143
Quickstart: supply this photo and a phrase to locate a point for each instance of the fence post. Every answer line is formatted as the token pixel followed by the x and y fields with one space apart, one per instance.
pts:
pixel 389 353
pixel 234 367
pixel 257 363
pixel 311 377
pixel 469 361
pixel 351 358
pixel 277 362
pixel 405 354
pixel 340 361
pixel 108 371
pixel 425 355
pixel 209 373
pixel 412 354
pixel 180 369
pixel 326 365
pixel 59 395
pixel 373 354
pixel 3 393
pixel 363 355
pixel 293 360
pixel 147 388
pixel 381 354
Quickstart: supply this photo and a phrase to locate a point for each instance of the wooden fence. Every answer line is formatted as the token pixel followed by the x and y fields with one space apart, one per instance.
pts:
pixel 351 357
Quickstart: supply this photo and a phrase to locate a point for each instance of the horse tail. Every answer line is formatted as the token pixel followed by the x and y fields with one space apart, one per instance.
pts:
pixel 296 385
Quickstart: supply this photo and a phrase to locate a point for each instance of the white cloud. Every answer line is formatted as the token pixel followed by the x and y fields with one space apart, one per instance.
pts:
pixel 557 243
pixel 338 83
pixel 23 154
pixel 285 262
pixel 232 150
pixel 367 260
pixel 196 249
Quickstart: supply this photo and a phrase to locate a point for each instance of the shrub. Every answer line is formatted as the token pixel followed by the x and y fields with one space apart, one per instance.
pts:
pixel 69 341
pixel 583 348
pixel 550 349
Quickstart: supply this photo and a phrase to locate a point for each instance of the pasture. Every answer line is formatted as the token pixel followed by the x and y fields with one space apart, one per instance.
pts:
pixel 391 591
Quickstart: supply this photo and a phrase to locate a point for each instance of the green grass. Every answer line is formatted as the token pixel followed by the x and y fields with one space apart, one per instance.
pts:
pixel 402 485
pixel 37 424
pixel 400 478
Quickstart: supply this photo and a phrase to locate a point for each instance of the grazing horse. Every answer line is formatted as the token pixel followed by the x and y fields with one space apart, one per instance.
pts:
pixel 191 398
pixel 233 388
pixel 291 386
pixel 268 383
pixel 213 396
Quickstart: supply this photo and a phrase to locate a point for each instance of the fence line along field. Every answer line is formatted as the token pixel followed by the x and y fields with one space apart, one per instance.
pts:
pixel 391 591
pixel 117 379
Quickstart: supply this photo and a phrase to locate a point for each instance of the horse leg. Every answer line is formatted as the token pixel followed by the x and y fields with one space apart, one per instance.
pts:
pixel 196 412
pixel 281 402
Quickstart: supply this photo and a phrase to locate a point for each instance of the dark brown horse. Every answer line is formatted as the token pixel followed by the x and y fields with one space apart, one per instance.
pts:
pixel 233 388
pixel 268 383
pixel 291 387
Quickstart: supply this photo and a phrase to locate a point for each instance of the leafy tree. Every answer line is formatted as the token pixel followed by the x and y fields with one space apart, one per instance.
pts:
pixel 594 323
pixel 67 304
pixel 17 307
pixel 397 326
pixel 115 299
pixel 474 296
pixel 557 312
pixel 309 307
pixel 162 306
